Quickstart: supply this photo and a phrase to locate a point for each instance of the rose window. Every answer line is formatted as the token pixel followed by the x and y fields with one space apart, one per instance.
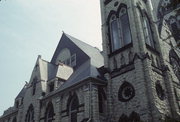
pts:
pixel 126 92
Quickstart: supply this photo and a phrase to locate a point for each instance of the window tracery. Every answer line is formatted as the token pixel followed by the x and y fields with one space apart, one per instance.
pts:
pixel 120 34
pixel 126 92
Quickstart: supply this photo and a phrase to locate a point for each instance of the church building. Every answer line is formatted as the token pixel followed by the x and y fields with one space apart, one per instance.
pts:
pixel 136 78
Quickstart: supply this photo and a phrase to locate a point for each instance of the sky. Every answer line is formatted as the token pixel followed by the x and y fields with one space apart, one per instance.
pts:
pixel 29 28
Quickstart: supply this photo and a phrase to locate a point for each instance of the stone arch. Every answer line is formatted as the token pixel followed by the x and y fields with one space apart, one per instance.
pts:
pixel 30 114
pixel 72 107
pixel 122 5
pixel 49 114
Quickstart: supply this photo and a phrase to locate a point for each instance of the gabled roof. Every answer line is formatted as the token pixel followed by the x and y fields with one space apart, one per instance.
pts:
pixel 93 52
pixel 87 69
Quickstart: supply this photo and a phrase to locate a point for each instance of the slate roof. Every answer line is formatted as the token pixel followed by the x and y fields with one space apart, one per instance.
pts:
pixel 22 92
pixel 93 52
pixel 85 71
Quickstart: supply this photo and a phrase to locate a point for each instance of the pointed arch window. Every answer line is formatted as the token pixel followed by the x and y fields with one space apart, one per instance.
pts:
pixel 49 115
pixel 148 31
pixel 125 33
pixel 34 86
pixel 30 114
pixel 126 92
pixel 120 29
pixel 72 105
pixel 115 40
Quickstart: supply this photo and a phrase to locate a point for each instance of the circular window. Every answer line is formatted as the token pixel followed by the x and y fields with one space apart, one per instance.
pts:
pixel 160 91
pixel 126 92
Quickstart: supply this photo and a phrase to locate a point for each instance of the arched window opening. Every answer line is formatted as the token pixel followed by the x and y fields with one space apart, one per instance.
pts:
pixel 49 115
pixel 125 33
pixel 115 40
pixel 30 114
pixel 148 31
pixel 120 34
pixel 14 120
pixel 72 105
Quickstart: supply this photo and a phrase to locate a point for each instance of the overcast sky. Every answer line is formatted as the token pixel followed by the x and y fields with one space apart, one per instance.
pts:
pixel 29 28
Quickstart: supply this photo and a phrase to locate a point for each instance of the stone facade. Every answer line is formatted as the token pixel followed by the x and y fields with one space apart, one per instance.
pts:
pixel 136 77
pixel 144 65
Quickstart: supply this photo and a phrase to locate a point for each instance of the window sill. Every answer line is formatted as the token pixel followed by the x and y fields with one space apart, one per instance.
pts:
pixel 120 50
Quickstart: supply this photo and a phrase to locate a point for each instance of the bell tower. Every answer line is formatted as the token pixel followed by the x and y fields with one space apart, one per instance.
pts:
pixel 140 78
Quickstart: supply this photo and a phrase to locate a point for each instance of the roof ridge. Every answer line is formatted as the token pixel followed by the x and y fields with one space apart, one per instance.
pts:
pixel 67 35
